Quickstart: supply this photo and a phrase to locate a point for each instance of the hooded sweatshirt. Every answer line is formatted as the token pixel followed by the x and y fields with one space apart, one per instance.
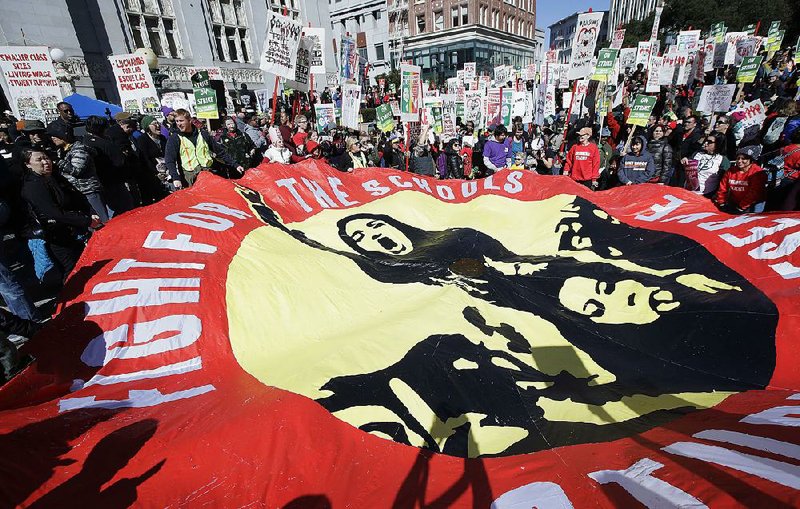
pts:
pixel 637 169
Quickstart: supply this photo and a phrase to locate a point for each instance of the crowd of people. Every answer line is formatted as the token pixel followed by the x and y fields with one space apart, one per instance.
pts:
pixel 61 181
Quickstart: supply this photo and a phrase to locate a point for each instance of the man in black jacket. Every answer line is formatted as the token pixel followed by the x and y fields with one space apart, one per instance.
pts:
pixel 685 141
pixel 192 150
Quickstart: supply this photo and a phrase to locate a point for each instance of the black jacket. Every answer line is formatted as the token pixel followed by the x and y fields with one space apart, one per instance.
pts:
pixel 662 156
pixel 55 210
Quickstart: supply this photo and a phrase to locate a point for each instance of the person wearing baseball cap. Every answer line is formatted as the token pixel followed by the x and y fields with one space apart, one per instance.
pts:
pixel 743 186
pixel 583 160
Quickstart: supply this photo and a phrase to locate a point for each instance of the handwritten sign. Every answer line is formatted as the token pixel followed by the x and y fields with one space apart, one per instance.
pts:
pixel 280 45
pixel 30 82
pixel 351 104
pixel 317 55
pixel 135 85
pixel 583 45
pixel 716 98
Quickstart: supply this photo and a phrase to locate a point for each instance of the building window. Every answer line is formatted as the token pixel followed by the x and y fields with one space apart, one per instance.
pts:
pixel 421 24
pixel 379 55
pixel 454 16
pixel 229 25
pixel 482 15
pixel 438 21
pixel 495 19
pixel 292 9
pixel 153 25
pixel 377 15
pixel 464 15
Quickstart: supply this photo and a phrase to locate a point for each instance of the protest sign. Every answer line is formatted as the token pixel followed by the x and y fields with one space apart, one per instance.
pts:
pixel 317 56
pixel 642 54
pixel 745 47
pixel 501 74
pixel 493 103
pixel 627 58
pixel 656 23
pixel 31 85
pixel 606 63
pixel 302 66
pixel 752 116
pixel 732 39
pixel 351 103
pixel 774 41
pixel 748 69
pixel 470 69
pixel 583 44
pixel 641 110
pixel 518 104
pixel 720 52
pixel 617 39
pixel 262 99
pixel 280 45
pixel 473 107
pixel 774 28
pixel 505 107
pixel 433 105
pixel 348 60
pixel 563 79
pixel 653 75
pixel 483 83
pixel 410 92
pixel 749 29
pixel 205 97
pixel 667 72
pixel 530 72
pixel 530 106
pixel 797 52
pixel 449 114
pixel 452 85
pixel 395 105
pixel 716 98
pixel 326 117
pixel 384 118
pixel 709 48
pixel 718 31
pixel 137 92
pixel 176 100
pixel 683 67
pixel 332 79
pixel 688 40
pixel 550 101
pixel 566 101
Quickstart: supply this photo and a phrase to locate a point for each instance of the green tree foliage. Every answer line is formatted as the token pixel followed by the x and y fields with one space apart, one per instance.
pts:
pixel 701 14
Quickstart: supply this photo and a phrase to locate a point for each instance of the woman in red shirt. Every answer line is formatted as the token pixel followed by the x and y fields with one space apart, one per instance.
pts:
pixel 744 185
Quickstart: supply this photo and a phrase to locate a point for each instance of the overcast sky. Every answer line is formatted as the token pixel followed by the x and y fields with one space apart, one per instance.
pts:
pixel 550 11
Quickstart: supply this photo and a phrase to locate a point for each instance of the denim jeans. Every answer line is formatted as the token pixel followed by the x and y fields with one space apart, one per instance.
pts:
pixel 98 205
pixel 14 295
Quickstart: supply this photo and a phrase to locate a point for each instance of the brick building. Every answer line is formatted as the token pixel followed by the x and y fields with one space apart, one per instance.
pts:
pixel 443 34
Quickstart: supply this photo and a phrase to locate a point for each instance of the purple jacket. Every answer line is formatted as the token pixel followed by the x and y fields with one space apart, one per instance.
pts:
pixel 441 165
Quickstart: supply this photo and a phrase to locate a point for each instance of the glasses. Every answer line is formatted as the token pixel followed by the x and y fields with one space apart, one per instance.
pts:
pixel 709 142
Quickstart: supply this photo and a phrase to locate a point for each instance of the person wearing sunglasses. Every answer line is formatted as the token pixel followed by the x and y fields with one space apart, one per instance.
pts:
pixel 711 164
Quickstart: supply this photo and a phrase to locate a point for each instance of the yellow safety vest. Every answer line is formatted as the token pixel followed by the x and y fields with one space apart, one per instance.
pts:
pixel 192 155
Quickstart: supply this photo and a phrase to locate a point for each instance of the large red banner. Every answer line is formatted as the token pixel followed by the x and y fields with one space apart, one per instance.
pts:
pixel 309 338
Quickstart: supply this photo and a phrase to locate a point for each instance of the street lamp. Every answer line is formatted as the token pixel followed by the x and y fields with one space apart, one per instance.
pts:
pixel 151 59
pixel 66 79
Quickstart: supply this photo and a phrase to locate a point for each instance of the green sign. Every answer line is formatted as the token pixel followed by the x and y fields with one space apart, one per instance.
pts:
pixel 748 69
pixel 205 97
pixel 775 40
pixel 642 108
pixel 385 120
pixel 718 31
pixel 797 52
pixel 749 29
pixel 606 59
pixel 773 28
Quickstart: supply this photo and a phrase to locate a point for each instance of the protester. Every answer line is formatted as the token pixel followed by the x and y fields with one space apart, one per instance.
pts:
pixel 354 157
pixel 661 150
pixel 151 151
pixel 191 151
pixel 637 167
pixel 238 145
pixel 277 152
pixel 496 151
pixel 583 160
pixel 743 187
pixel 57 213
pixel 710 166
pixel 76 164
